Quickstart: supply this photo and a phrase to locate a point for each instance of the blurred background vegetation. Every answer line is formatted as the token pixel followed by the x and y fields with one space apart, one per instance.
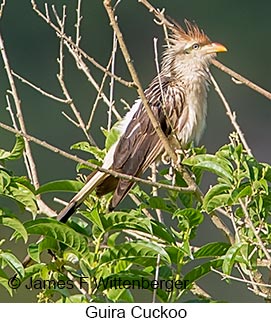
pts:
pixel 244 27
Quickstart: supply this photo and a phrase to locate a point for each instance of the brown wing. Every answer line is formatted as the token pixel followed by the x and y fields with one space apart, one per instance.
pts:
pixel 140 145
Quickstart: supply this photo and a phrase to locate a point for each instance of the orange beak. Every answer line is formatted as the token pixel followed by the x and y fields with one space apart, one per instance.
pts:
pixel 215 48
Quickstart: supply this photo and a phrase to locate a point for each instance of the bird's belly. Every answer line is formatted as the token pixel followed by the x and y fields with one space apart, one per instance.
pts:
pixel 192 124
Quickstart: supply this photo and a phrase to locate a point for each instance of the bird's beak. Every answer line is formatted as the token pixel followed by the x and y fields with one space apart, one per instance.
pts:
pixel 215 48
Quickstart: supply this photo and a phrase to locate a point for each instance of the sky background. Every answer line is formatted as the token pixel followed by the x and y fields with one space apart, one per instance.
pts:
pixel 244 27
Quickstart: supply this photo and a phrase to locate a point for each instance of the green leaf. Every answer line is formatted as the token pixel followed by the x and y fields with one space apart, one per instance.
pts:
pixel 112 137
pixel 32 270
pixel 266 171
pixel 120 295
pixel 13 262
pixel 85 146
pixel 63 186
pixel 5 282
pixel 60 232
pixel 123 220
pixel 230 257
pixel 213 249
pixel 16 151
pixel 161 231
pixel 94 217
pixel 142 253
pixel 33 252
pixel 211 200
pixel 193 216
pixel 157 202
pixel 35 249
pixel 241 192
pixel 133 278
pixel 213 164
pixel 14 224
pixel 202 270
pixel 21 194
pixel 175 254
pixel 5 180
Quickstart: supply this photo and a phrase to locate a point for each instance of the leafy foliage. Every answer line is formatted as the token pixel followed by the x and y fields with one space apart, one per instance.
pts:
pixel 100 248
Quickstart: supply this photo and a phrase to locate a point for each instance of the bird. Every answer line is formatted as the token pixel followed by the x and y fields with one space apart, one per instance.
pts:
pixel 177 97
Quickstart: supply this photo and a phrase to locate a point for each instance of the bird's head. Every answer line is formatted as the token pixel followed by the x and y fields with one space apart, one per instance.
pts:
pixel 190 48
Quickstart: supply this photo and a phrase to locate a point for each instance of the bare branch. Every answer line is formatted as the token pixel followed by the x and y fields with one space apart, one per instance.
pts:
pixel 2 8
pixel 69 41
pixel 225 276
pixel 231 115
pixel 111 90
pixel 242 79
pixel 38 89
pixel 94 166
pixel 249 222
pixel 78 22
pixel 29 158
pixel 60 78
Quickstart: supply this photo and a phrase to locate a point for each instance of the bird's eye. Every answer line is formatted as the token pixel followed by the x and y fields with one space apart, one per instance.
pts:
pixel 195 46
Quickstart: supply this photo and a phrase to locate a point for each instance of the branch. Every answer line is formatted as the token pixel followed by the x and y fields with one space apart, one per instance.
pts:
pixel 2 7
pixel 78 49
pixel 242 79
pixel 38 89
pixel 231 115
pixel 60 77
pixel 94 166
pixel 78 22
pixel 30 161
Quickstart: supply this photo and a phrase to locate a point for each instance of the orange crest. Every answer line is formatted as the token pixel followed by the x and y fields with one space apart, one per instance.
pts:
pixel 192 33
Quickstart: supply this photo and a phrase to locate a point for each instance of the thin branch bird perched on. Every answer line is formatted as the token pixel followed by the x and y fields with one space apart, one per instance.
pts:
pixel 178 99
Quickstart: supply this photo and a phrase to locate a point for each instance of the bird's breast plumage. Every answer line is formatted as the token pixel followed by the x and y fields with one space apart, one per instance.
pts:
pixel 192 121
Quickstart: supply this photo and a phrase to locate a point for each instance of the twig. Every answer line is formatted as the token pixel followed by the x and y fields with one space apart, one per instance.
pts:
pixel 98 97
pixel 32 167
pixel 249 222
pixel 156 276
pixel 153 178
pixel 137 203
pixel 28 158
pixel 100 91
pixel 9 109
pixel 78 22
pixel 225 276
pixel 111 90
pixel 231 115
pixel 90 78
pixel 68 39
pixel 242 79
pixel 2 7
pixel 38 89
pixel 94 166
pixel 60 77
pixel 13 120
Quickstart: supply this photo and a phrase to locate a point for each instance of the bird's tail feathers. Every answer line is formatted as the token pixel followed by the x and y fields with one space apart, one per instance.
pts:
pixel 77 200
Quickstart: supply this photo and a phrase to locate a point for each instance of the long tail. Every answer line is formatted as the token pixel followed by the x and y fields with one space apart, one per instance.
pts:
pixel 78 199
